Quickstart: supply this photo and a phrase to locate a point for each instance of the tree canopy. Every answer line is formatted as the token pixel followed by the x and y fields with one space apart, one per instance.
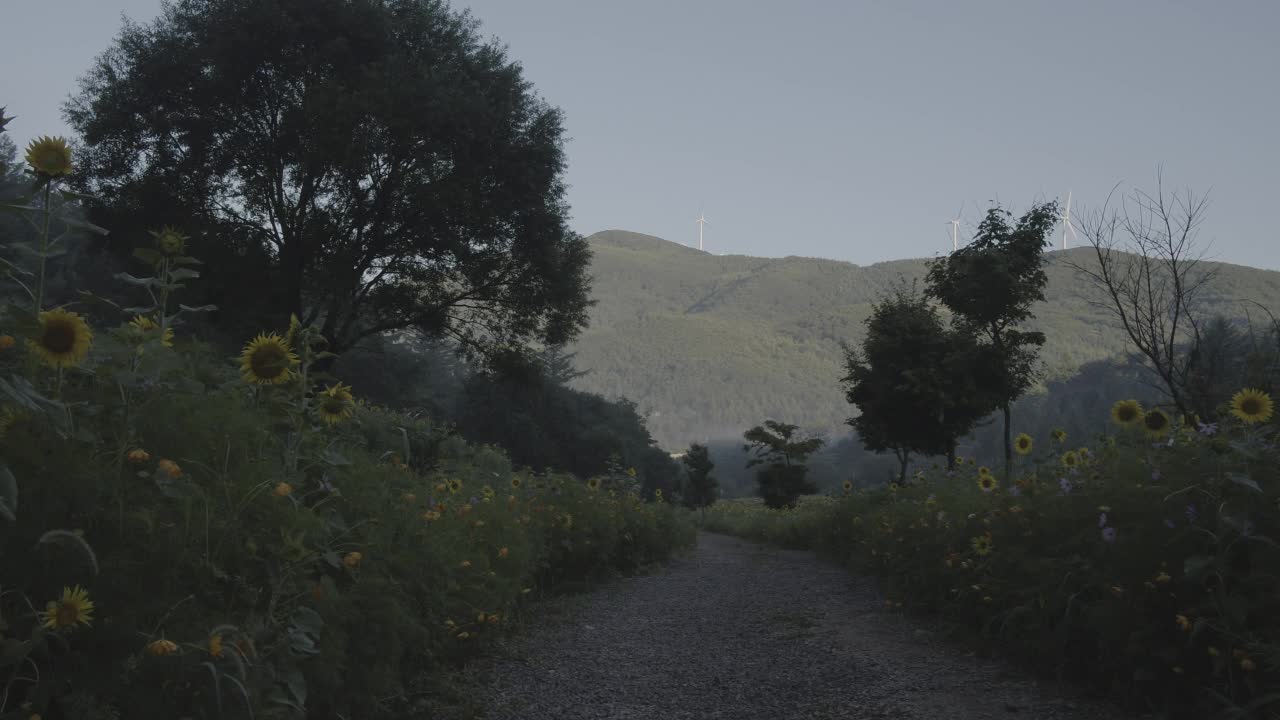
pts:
pixel 373 164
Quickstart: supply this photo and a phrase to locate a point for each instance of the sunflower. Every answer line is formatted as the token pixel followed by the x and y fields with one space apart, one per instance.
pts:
pixel 49 156
pixel 631 471
pixel 593 484
pixel 169 241
pixel 982 544
pixel 848 485
pixel 1156 423
pixel 515 483
pixel 1022 444
pixel 336 404
pixel 1126 412
pixel 74 608
pixel 352 560
pixel 64 338
pixel 984 470
pixel 1058 435
pixel 215 645
pixel 1070 459
pixel 1251 406
pixel 987 483
pixel 144 326
pixel 161 647
pixel 455 486
pixel 267 360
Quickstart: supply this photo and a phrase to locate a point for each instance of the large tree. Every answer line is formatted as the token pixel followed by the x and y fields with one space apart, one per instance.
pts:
pixel 776 446
pixel 918 385
pixel 989 285
pixel 373 164
pixel 700 490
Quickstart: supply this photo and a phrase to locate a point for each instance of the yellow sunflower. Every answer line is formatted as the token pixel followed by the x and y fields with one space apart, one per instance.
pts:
pixel 982 544
pixel 1023 444
pixel 848 485
pixel 267 360
pixel 515 483
pixel 1156 423
pixel 987 483
pixel 336 404
pixel 1126 412
pixel 49 156
pixel 169 241
pixel 455 486
pixel 144 326
pixel 160 648
pixel 1251 406
pixel 1070 459
pixel 984 470
pixel 74 608
pixel 1058 435
pixel 593 484
pixel 64 338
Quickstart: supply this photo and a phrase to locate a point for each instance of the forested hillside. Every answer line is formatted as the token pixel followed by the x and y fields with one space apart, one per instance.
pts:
pixel 709 345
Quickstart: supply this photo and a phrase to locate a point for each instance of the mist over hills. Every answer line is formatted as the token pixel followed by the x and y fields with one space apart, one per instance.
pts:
pixel 709 345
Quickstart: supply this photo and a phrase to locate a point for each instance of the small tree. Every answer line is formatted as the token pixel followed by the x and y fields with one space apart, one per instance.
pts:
pixel 1152 278
pixel 990 285
pixel 916 384
pixel 782 481
pixel 700 488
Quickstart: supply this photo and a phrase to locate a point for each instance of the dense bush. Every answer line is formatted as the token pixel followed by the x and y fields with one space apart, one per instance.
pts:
pixel 1145 566
pixel 197 538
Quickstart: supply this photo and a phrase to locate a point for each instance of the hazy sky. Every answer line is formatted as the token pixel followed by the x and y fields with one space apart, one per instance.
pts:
pixel 843 129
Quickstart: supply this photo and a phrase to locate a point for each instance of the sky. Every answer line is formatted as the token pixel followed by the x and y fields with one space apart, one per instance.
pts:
pixel 845 129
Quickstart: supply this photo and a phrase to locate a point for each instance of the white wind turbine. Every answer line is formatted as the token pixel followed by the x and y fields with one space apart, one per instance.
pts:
pixel 955 227
pixel 702 220
pixel 1066 222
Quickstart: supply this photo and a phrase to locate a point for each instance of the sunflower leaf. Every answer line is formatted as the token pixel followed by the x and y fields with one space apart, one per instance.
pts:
pixel 147 255
pixel 66 537
pixel 82 225
pixel 18 208
pixel 8 493
pixel 1244 480
pixel 72 195
pixel 199 308
pixel 140 310
pixel 183 260
pixel 183 274
pixel 145 282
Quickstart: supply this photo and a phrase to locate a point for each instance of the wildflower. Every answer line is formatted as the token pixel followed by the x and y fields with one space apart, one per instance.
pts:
pixel 352 560
pixel 847 485
pixel 1102 519
pixel 1248 665
pixel 1126 412
pixel 1109 534
pixel 1059 435
pixel 1084 454
pixel 283 489
pixel 1192 513
pixel 73 608
pixel 137 456
pixel 593 484
pixel 1208 429
pixel 503 552
pixel 1156 423
pixel 982 544
pixel 144 325
pixel 987 483
pixel 161 647
pixel 493 618
pixel 455 486
pixel 464 635
pixel 6 342
pixel 336 404
pixel 49 156
pixel 267 360
pixel 170 468
pixel 63 339
pixel 465 564
pixel 1163 577
pixel 515 483
pixel 1023 444
pixel 215 645
pixel 408 498
pixel 169 241
pixel 631 471
pixel 1183 622
pixel 1251 406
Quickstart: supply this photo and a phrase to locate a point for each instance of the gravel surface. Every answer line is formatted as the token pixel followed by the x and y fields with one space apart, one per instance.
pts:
pixel 737 630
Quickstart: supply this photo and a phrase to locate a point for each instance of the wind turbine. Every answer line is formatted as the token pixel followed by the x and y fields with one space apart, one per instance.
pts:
pixel 955 226
pixel 702 220
pixel 1066 223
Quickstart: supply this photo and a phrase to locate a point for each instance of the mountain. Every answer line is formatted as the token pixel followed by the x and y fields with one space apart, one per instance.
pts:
pixel 710 345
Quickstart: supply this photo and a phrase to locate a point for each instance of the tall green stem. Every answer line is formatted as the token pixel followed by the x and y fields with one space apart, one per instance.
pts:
pixel 44 246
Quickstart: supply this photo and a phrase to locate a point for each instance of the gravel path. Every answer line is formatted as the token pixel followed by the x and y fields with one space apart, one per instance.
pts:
pixel 741 631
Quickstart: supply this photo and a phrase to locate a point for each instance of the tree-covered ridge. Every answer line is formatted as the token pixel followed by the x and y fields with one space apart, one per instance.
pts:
pixel 707 345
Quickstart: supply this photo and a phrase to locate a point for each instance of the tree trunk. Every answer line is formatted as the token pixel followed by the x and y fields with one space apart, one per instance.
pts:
pixel 1008 442
pixel 951 456
pixel 903 457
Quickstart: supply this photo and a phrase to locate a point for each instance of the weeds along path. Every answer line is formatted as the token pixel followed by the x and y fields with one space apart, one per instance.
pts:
pixel 737 630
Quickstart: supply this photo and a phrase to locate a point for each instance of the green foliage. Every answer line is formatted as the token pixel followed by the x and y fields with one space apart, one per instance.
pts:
pixel 990 285
pixel 369 166
pixel 1145 571
pixel 700 488
pixel 782 479
pixel 917 386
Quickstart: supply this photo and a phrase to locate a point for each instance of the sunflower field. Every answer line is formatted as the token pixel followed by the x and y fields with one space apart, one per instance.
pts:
pixel 1145 565
pixel 187 535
